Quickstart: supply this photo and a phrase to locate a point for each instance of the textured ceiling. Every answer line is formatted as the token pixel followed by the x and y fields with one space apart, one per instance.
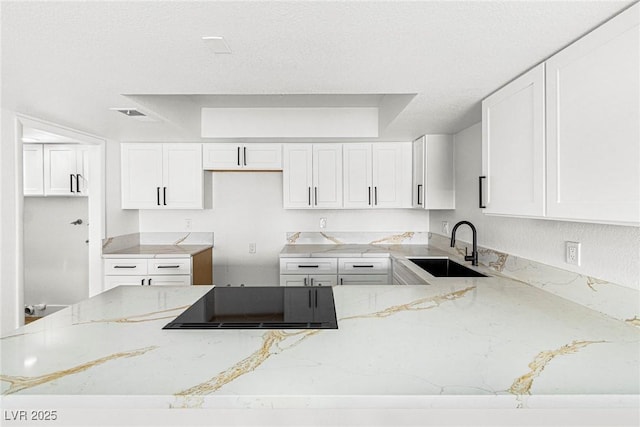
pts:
pixel 431 62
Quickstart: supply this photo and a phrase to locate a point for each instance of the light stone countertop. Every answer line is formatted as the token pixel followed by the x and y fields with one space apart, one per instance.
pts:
pixel 457 343
pixel 157 251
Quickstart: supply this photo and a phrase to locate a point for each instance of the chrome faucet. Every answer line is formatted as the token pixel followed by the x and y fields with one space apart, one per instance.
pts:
pixel 474 252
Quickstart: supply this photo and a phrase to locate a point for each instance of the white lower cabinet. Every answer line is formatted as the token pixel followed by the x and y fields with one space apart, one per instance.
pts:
pixel 147 272
pixel 335 271
pixel 364 271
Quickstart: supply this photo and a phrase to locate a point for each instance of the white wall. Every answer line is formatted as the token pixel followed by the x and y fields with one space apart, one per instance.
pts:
pixel 248 209
pixel 608 252
pixel 118 221
pixel 56 256
pixel 10 266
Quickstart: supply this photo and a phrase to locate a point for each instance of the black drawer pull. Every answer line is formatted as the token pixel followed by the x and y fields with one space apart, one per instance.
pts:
pixel 124 266
pixel 363 266
pixel 168 266
pixel 308 266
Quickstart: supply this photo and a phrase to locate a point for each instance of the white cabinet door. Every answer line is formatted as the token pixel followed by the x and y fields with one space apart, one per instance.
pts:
pixel 162 176
pixel 63 168
pixel 297 176
pixel 183 280
pixel 182 176
pixel 327 176
pixel 221 156
pixel 262 156
pixel 229 156
pixel 141 176
pixel 33 167
pixel 417 184
pixel 440 184
pixel 391 175
pixel 592 125
pixel 323 280
pixel 358 186
pixel 113 281
pixel 513 147
pixel 294 279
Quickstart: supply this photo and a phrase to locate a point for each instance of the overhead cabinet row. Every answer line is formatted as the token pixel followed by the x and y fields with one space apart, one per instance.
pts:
pixel 315 176
pixel 562 141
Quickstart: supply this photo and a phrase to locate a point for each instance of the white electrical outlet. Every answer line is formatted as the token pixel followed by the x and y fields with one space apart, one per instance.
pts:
pixel 252 248
pixel 187 224
pixel 573 253
pixel 445 227
pixel 323 222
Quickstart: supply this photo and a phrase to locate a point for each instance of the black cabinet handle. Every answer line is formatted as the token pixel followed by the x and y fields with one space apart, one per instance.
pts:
pixel 315 195
pixel 142 282
pixel 71 183
pixel 124 266
pixel 149 282
pixel 238 155
pixel 78 183
pixel 168 266
pixel 164 196
pixel 244 152
pixel 309 298
pixel 363 266
pixel 481 204
pixel 304 281
pixel 341 281
pixel 311 280
pixel 308 266
pixel 316 298
pixel 158 195
pixel 375 195
pixel 419 188
pixel 309 196
pixel 369 196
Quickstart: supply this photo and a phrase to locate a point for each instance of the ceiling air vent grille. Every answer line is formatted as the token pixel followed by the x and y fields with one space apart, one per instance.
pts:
pixel 134 114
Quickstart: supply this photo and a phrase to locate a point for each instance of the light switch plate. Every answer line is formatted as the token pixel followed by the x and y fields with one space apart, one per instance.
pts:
pixel 573 253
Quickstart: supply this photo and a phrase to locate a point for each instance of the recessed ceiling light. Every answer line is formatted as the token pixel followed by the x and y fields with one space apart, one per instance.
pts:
pixel 217 44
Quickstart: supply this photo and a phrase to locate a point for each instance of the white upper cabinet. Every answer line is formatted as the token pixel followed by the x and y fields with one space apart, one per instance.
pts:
pixel 33 167
pixel 377 175
pixel 312 176
pixel 433 173
pixel 513 147
pixel 254 157
pixel 563 141
pixel 162 176
pixel 593 136
pixel 65 170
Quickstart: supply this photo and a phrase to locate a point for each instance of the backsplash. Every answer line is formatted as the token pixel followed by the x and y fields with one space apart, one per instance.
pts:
pixel 352 238
pixel 609 298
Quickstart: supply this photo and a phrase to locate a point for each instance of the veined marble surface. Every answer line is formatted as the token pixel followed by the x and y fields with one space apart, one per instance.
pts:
pixel 366 238
pixel 458 343
pixel 617 301
pixel 159 244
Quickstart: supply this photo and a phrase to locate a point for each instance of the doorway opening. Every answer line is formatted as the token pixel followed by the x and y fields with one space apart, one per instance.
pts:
pixel 62 216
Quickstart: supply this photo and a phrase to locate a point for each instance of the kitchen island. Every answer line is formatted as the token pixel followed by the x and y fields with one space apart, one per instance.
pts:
pixel 455 343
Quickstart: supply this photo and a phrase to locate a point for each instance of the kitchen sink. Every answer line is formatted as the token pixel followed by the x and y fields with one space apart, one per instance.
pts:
pixel 444 267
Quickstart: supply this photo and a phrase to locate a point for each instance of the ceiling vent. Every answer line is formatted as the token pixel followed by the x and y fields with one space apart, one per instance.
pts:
pixel 134 114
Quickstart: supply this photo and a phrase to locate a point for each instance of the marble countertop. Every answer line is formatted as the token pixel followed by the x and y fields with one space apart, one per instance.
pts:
pixel 356 250
pixel 456 343
pixel 157 251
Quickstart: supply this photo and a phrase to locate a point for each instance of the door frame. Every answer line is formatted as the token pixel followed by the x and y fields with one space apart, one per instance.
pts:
pixel 96 200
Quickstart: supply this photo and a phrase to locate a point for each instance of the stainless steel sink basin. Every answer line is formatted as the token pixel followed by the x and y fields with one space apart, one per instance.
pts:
pixel 444 267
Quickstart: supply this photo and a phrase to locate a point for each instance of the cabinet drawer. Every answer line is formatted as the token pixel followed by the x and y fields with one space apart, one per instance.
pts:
pixel 363 265
pixel 169 266
pixel 364 279
pixel 125 266
pixel 308 265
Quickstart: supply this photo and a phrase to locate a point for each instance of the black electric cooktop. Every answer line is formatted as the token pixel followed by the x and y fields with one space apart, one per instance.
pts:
pixel 261 307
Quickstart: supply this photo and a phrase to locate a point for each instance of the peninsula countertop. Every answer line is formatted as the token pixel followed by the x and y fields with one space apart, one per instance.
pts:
pixel 456 343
